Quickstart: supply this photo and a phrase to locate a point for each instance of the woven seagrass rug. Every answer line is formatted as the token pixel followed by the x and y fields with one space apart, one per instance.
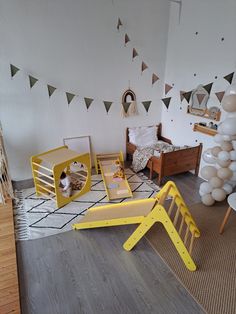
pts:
pixel 37 217
pixel 213 284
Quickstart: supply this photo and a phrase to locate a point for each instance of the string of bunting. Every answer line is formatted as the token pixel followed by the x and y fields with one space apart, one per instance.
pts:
pixel 167 87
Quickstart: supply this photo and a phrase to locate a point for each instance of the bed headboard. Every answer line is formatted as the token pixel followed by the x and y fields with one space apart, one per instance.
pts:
pixel 160 137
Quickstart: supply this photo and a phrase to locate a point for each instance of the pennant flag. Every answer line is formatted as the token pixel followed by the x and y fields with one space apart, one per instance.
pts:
pixel 14 70
pixel 146 104
pixel 208 87
pixel 181 93
pixel 143 67
pixel 126 106
pixel 167 88
pixel 107 105
pixel 200 98
pixel 154 78
pixel 51 90
pixel 134 54
pixel 88 102
pixel 69 97
pixel 220 95
pixel 32 81
pixel 166 101
pixel 229 77
pixel 119 24
pixel 187 96
pixel 126 39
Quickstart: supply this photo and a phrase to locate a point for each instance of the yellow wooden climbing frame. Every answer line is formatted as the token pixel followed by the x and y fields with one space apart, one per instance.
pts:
pixel 176 220
pixel 47 168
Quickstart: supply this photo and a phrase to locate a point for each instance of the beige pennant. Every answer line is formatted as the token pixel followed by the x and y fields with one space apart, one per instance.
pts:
pixel 220 95
pixel 200 98
pixel 154 78
pixel 143 67
pixel 167 88
pixel 181 95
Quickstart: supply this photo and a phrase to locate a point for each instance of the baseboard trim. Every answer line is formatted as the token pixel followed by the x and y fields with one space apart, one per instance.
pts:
pixel 23 184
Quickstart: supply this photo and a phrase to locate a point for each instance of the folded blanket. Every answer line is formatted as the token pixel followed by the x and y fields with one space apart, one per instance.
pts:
pixel 143 154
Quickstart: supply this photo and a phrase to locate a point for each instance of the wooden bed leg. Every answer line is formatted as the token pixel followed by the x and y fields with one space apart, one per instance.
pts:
pixel 151 171
pixel 199 160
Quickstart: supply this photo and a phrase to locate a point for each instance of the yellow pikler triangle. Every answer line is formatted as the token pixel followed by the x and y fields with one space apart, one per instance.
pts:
pixel 176 220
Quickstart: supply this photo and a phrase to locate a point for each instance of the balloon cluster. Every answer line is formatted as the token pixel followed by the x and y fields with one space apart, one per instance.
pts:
pixel 221 173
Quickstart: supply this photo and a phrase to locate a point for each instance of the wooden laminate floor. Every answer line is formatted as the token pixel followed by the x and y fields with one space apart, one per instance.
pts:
pixel 89 272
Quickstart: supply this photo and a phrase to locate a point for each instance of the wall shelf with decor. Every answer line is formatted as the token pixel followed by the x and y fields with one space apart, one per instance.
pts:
pixel 204 129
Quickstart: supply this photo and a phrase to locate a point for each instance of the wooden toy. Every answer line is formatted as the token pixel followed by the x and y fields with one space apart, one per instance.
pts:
pixel 47 168
pixel 114 179
pixel 176 220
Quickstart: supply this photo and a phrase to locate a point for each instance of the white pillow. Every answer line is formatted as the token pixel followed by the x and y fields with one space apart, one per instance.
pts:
pixel 143 136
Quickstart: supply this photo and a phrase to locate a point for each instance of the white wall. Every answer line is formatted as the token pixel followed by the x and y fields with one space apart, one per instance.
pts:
pixel 204 54
pixel 74 45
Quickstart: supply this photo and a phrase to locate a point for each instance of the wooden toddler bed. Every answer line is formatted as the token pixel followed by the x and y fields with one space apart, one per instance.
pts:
pixel 169 163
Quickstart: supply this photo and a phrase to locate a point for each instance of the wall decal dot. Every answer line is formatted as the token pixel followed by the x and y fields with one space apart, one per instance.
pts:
pixel 191 123
pixel 180 108
pixel 216 77
pixel 196 33
pixel 194 74
pixel 196 141
pixel 172 120
pixel 173 84
pixel 222 39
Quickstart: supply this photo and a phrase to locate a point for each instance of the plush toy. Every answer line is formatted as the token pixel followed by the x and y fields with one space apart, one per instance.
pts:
pixel 119 172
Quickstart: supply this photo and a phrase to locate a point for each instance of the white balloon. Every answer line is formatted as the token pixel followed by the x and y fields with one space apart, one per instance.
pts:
pixel 208 157
pixel 233 177
pixel 219 129
pixel 234 145
pixel 205 187
pixel 201 193
pixel 216 182
pixel 226 146
pixel 229 126
pixel 232 154
pixel 215 150
pixel 218 138
pixel 224 173
pixel 207 200
pixel 229 103
pixel 228 188
pixel 231 115
pixel 227 137
pixel 208 172
pixel 218 194
pixel 223 155
pixel 232 166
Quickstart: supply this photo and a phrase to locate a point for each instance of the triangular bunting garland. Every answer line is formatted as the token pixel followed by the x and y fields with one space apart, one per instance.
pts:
pixel 229 77
pixel 32 81
pixel 107 105
pixel 154 78
pixel 126 106
pixel 181 94
pixel 220 95
pixel 69 97
pixel 143 67
pixel 200 98
pixel 166 101
pixel 208 87
pixel 14 70
pixel 119 24
pixel 167 88
pixel 88 102
pixel 51 90
pixel 134 54
pixel 146 104
pixel 126 39
pixel 187 96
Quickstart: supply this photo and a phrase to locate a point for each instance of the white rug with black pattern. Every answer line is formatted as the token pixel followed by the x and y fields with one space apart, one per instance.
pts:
pixel 37 217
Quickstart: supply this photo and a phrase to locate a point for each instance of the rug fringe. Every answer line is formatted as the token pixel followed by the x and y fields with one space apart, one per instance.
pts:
pixel 20 217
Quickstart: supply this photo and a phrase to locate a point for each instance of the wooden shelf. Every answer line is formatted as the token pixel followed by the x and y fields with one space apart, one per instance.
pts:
pixel 204 129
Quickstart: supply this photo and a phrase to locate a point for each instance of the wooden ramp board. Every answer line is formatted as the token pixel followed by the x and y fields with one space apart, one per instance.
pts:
pixel 116 214
pixel 115 187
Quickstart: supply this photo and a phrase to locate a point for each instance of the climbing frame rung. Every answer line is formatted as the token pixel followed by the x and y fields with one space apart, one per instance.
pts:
pixel 40 166
pixel 43 174
pixel 45 182
pixel 43 187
